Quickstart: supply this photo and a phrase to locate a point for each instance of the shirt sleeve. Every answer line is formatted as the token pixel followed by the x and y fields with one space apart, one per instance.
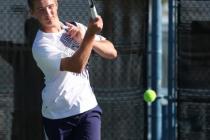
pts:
pixel 47 57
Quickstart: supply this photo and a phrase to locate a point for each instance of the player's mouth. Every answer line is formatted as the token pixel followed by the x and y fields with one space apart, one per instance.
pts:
pixel 49 20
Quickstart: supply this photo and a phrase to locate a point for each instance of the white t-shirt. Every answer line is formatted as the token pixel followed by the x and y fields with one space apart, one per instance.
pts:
pixel 65 93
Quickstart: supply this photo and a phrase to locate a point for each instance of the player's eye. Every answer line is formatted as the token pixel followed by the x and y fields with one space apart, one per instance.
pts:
pixel 51 6
pixel 41 10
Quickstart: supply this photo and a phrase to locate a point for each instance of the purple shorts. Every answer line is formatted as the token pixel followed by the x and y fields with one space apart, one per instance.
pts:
pixel 85 126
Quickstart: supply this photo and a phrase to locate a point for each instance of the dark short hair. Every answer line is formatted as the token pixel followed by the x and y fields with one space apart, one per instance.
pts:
pixel 31 4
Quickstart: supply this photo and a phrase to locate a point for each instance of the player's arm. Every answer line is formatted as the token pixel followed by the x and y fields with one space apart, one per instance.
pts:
pixel 101 46
pixel 78 61
pixel 105 49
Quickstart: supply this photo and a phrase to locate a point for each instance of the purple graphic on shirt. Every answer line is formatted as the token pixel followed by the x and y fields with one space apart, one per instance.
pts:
pixel 69 42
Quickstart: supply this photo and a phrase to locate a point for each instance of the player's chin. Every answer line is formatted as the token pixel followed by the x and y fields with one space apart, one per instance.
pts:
pixel 50 24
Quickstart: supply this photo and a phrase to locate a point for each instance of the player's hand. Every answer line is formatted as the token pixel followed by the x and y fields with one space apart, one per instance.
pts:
pixel 95 25
pixel 75 32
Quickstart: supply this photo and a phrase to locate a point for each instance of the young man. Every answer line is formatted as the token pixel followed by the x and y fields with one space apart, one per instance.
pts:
pixel 70 110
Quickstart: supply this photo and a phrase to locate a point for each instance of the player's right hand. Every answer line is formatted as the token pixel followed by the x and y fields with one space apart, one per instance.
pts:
pixel 95 25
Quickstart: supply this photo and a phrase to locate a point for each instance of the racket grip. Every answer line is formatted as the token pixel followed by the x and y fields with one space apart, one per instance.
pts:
pixel 93 12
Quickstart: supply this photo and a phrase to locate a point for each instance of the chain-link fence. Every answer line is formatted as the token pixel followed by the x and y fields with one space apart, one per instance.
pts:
pixel 193 69
pixel 118 84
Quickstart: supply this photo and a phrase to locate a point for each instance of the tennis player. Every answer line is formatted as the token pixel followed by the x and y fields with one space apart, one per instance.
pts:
pixel 70 109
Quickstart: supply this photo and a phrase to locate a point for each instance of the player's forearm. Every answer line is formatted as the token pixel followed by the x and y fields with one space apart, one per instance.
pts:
pixel 105 49
pixel 79 60
pixel 82 55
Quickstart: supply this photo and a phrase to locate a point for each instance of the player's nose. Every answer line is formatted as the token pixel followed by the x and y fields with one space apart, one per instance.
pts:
pixel 48 12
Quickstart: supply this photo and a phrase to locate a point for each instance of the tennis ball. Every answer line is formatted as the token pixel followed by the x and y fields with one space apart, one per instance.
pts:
pixel 149 95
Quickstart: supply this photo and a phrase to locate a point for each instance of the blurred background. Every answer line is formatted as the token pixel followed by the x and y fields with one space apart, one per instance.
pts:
pixel 161 45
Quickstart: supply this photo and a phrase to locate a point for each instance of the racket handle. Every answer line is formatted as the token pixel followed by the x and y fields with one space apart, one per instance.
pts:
pixel 93 12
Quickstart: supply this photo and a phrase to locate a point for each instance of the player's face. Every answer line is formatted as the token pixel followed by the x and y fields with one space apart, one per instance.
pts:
pixel 46 12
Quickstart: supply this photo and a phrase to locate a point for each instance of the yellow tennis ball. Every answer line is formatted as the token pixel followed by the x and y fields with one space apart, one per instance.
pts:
pixel 149 95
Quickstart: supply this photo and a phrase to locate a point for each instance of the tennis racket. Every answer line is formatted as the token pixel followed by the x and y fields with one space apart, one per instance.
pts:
pixel 93 12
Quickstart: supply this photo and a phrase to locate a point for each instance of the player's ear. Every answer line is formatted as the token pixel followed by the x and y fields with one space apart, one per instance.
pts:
pixel 32 13
pixel 56 2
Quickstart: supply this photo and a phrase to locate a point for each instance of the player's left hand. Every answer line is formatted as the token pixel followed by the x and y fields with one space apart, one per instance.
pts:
pixel 75 32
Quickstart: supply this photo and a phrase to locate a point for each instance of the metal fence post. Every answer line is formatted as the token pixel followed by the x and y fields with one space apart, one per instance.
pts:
pixel 171 71
pixel 157 68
